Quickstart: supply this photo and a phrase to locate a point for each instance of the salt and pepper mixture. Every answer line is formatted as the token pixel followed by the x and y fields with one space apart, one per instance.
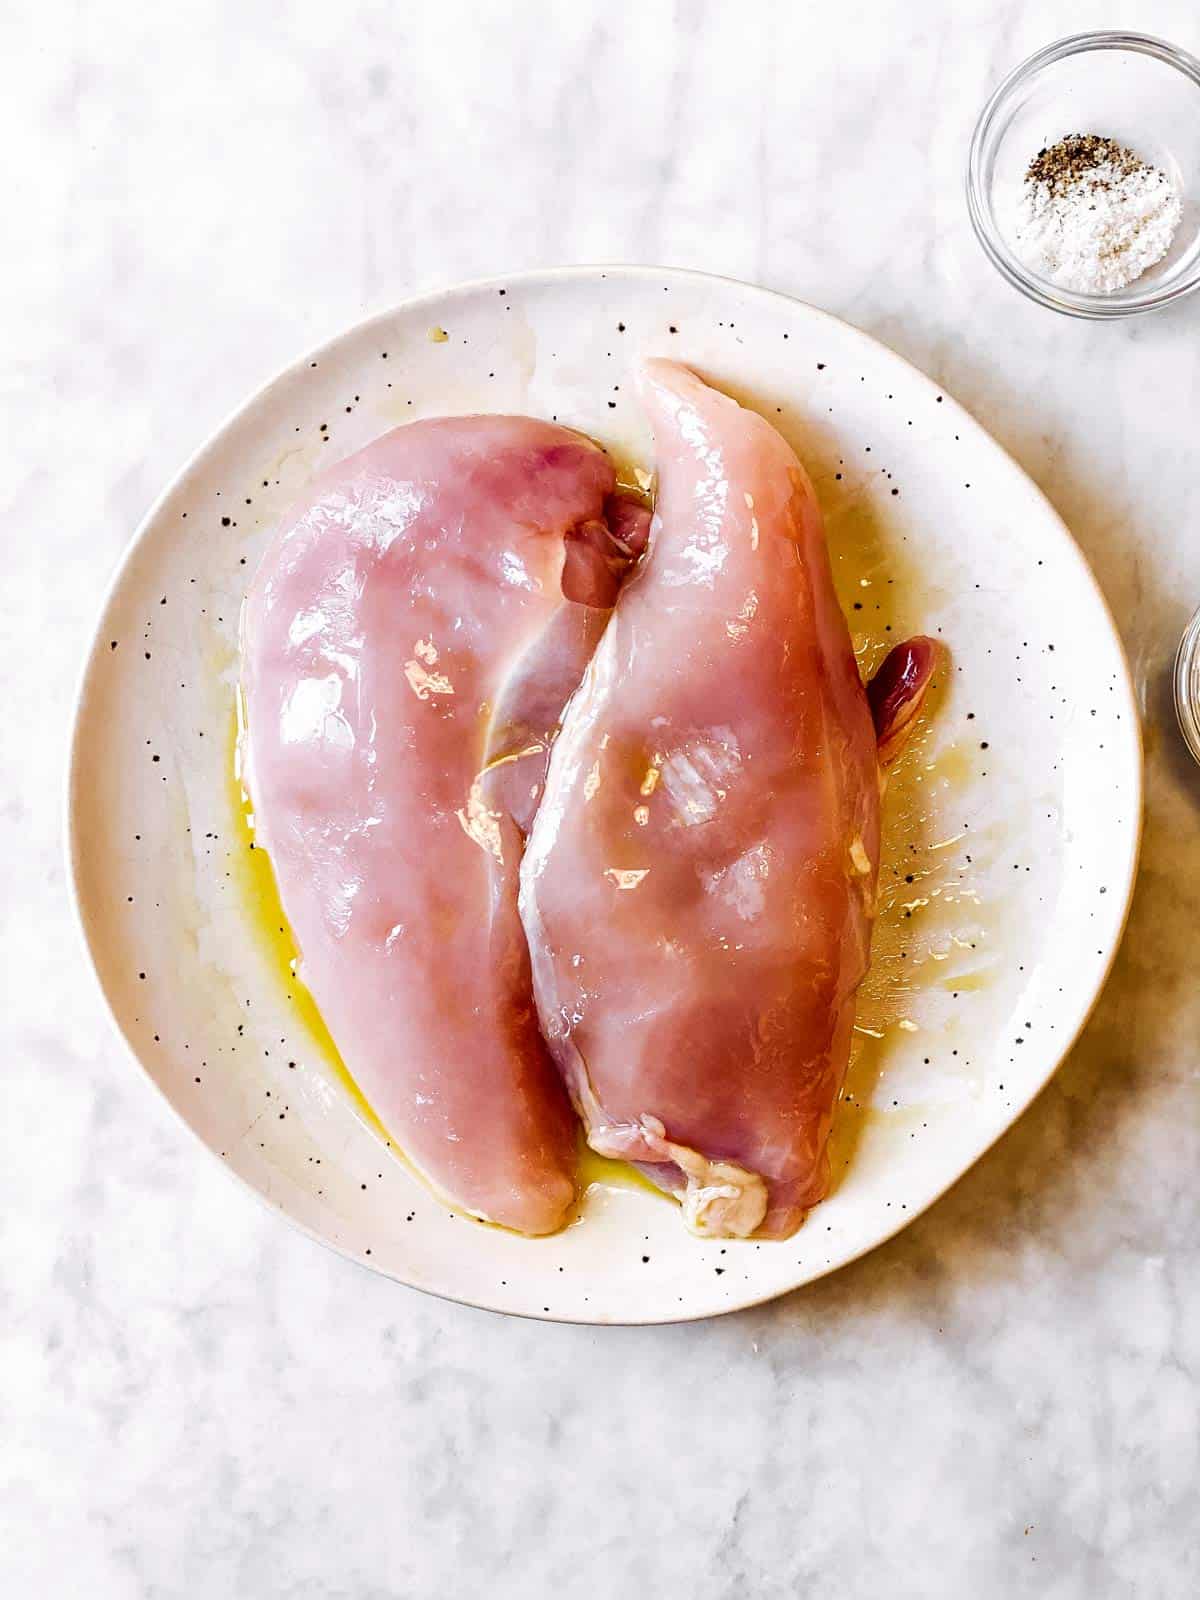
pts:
pixel 1092 215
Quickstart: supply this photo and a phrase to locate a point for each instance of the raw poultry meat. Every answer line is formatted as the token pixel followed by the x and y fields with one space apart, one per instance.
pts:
pixel 699 885
pixel 406 655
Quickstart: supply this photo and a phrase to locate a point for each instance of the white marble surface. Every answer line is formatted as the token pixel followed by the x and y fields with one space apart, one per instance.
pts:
pixel 195 1401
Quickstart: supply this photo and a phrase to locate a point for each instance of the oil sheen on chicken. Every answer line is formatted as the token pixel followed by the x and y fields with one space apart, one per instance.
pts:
pixel 406 655
pixel 699 885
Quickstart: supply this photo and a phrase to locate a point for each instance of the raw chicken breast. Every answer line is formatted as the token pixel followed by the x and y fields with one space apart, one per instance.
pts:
pixel 699 885
pixel 406 655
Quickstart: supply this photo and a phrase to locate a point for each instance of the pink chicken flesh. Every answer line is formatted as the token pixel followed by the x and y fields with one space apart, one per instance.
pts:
pixel 699 885
pixel 406 654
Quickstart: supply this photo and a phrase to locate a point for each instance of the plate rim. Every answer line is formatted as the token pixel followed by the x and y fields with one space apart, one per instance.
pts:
pixel 527 277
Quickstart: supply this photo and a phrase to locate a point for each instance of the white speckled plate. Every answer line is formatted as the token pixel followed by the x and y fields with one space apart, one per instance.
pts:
pixel 1013 824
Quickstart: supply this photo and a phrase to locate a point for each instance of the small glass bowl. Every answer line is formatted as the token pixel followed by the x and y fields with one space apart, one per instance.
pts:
pixel 1187 685
pixel 1126 86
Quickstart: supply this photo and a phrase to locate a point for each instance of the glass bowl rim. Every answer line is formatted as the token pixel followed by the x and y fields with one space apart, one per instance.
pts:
pixel 1187 706
pixel 1071 303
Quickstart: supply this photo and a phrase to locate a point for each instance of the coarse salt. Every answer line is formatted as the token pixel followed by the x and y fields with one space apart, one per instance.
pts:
pixel 1093 216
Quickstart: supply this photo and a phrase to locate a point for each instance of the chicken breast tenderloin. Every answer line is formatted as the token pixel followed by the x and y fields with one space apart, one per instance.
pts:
pixel 406 655
pixel 699 885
